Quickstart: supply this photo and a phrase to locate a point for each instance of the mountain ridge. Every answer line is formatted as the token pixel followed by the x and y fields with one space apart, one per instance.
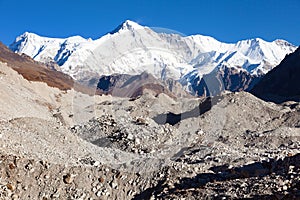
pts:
pixel 36 71
pixel 133 49
pixel 281 83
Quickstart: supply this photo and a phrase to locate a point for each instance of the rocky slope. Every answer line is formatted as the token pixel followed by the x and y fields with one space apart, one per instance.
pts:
pixel 282 83
pixel 69 145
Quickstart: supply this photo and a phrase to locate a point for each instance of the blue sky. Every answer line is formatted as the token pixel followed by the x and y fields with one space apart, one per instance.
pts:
pixel 226 20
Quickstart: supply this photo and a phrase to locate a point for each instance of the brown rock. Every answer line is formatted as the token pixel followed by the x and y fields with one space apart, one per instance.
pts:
pixel 10 186
pixel 101 179
pixel 69 178
pixel 12 166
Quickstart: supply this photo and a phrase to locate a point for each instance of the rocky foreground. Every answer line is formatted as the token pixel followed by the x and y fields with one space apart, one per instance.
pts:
pixel 66 145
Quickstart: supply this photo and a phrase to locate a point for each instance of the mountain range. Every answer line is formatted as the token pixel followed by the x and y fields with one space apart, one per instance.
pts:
pixel 132 49
pixel 60 139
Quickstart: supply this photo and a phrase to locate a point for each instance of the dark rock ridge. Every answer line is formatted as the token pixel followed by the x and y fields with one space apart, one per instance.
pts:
pixel 212 84
pixel 223 78
pixel 283 82
pixel 124 85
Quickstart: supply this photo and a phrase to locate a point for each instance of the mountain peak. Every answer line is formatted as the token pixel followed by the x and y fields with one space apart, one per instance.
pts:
pixel 130 23
pixel 127 26
pixel 19 40
pixel 27 35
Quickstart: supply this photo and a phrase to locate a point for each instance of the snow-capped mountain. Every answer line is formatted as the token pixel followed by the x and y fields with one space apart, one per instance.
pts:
pixel 133 49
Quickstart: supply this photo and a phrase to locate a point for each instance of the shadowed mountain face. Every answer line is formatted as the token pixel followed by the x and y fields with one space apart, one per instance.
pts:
pixel 212 84
pixel 283 82
pixel 221 79
pixel 124 85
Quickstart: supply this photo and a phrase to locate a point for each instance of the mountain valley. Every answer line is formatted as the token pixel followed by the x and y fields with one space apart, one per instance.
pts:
pixel 138 114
